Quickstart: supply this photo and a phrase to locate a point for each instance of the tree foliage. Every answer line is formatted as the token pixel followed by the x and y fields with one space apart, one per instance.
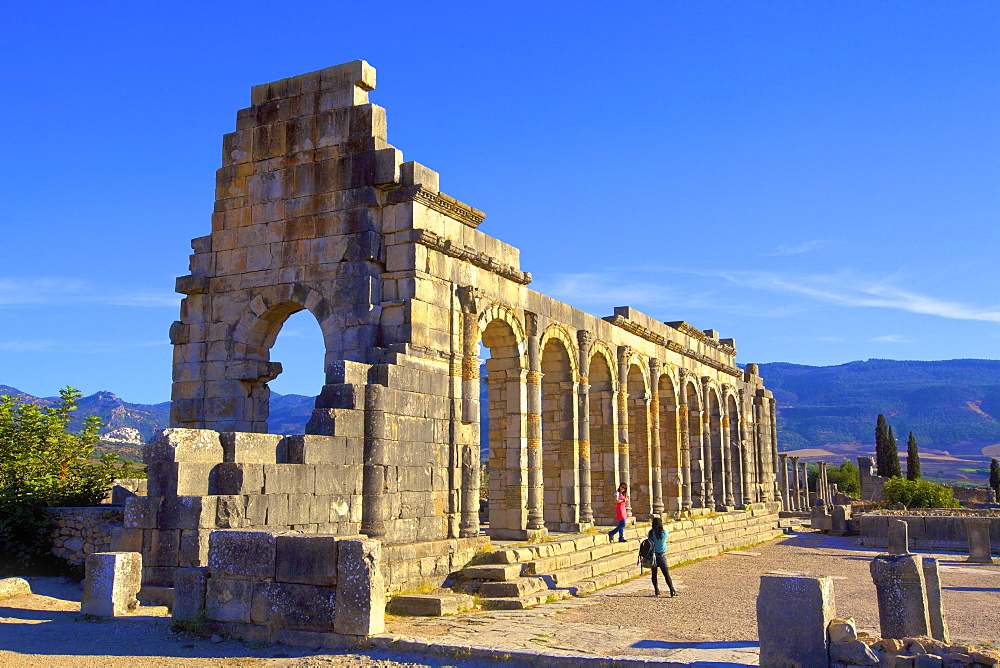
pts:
pixel 881 445
pixel 918 494
pixel 995 478
pixel 43 464
pixel 847 477
pixel 893 469
pixel 912 459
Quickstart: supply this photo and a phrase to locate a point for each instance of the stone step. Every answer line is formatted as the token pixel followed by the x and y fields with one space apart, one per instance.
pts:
pixel 430 605
pixel 512 588
pixel 495 572
pixel 559 546
pixel 558 562
pixel 568 576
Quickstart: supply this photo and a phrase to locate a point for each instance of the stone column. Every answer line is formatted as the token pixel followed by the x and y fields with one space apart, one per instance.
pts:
pixel 727 462
pixel 684 442
pixel 783 480
pixel 374 503
pixel 624 470
pixel 469 520
pixel 586 509
pixel 772 445
pixel 798 639
pixel 978 532
pixel 804 489
pixel 654 433
pixel 795 496
pixel 536 518
pixel 902 599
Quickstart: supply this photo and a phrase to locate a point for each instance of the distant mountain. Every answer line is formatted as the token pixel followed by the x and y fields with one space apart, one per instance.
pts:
pixel 128 425
pixel 951 405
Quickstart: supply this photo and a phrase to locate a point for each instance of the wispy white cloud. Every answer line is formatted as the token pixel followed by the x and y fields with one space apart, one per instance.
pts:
pixel 848 290
pixel 890 338
pixel 66 292
pixel 796 249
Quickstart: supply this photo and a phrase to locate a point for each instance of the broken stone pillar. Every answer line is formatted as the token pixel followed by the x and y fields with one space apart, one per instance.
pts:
pixel 783 480
pixel 978 531
pixel 902 597
pixel 798 639
pixel 14 587
pixel 899 540
pixel 360 609
pixel 935 608
pixel 841 515
pixel 113 580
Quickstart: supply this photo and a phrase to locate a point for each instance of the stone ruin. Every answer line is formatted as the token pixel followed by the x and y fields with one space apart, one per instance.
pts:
pixel 316 211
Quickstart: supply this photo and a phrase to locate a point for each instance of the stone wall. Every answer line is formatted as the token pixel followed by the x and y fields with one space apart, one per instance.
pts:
pixel 78 532
pixel 123 489
pixel 298 589
pixel 928 529
pixel 316 211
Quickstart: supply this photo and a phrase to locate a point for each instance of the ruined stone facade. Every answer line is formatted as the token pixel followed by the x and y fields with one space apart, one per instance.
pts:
pixel 315 210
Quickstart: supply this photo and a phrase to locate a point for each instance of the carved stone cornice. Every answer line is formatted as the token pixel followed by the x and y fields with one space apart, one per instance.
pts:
pixel 640 331
pixel 460 252
pixel 439 202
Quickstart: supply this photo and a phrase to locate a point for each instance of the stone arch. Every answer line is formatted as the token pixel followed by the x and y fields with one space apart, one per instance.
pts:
pixel 695 436
pixel 716 456
pixel 671 463
pixel 560 448
pixel 640 461
pixel 557 331
pixel 250 368
pixel 604 474
pixel 502 333
pixel 737 455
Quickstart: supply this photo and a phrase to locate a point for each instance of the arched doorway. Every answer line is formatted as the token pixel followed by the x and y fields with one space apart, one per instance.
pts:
pixel 716 455
pixel 698 475
pixel 300 350
pixel 638 443
pixel 603 453
pixel 670 447
pixel 736 454
pixel 560 468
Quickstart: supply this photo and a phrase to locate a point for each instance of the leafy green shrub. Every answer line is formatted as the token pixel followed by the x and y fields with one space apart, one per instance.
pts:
pixel 847 477
pixel 918 494
pixel 43 465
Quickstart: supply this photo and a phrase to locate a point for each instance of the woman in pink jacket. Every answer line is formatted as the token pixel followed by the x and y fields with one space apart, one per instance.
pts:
pixel 621 513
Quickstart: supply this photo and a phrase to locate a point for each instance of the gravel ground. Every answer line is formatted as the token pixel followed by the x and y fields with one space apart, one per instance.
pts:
pixel 717 598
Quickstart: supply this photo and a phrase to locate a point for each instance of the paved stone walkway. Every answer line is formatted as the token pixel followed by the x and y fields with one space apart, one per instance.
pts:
pixel 712 622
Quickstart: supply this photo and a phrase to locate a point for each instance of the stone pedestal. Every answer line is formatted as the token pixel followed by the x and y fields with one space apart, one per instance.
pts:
pixel 113 580
pixel 902 598
pixel 841 515
pixel 978 531
pixel 899 537
pixel 798 639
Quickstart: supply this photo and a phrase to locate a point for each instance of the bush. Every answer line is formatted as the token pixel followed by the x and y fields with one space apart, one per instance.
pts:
pixel 918 494
pixel 43 465
pixel 847 477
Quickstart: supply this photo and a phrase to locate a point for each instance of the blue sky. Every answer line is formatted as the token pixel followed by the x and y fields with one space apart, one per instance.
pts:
pixel 817 180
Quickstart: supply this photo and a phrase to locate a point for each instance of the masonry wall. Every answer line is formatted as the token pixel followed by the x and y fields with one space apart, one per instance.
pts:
pixel 316 211
pixel 77 532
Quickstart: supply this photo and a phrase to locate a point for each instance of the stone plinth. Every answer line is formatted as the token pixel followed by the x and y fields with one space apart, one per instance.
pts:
pixel 902 598
pixel 935 607
pixel 899 537
pixel 978 531
pixel 798 639
pixel 113 580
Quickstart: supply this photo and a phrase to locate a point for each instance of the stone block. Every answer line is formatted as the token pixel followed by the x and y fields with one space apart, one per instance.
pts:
pixel 250 448
pixel 180 478
pixel 14 587
pixel 978 534
pixel 289 478
pixel 126 540
pixel 113 581
pixel 187 512
pixel 184 445
pixel 360 588
pixel 190 586
pixel 238 478
pixel 299 508
pixel 334 480
pixel 852 652
pixel 935 606
pixel 294 606
pixel 242 553
pixel 256 510
pixel 228 599
pixel 277 510
pixel 310 559
pixel 230 512
pixel 842 630
pixel 799 639
pixel 311 449
pixel 193 548
pixel 140 512
pixel 429 605
pixel 163 547
pixel 902 598
pixel 898 537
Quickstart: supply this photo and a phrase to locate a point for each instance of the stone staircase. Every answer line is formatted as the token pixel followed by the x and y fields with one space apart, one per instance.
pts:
pixel 522 576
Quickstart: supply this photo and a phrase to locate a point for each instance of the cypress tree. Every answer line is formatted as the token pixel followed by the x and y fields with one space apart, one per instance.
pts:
pixel 995 478
pixel 912 459
pixel 881 440
pixel 892 457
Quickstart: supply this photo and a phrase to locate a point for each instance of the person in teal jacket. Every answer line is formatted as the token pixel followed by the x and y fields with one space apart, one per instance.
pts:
pixel 658 536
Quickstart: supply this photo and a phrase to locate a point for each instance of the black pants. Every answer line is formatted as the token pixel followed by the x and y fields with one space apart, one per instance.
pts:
pixel 660 562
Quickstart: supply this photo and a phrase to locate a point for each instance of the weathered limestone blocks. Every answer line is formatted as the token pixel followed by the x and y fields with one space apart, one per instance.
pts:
pixel 799 639
pixel 908 652
pixel 14 587
pixel 113 581
pixel 303 589
pixel 978 531
pixel 899 538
